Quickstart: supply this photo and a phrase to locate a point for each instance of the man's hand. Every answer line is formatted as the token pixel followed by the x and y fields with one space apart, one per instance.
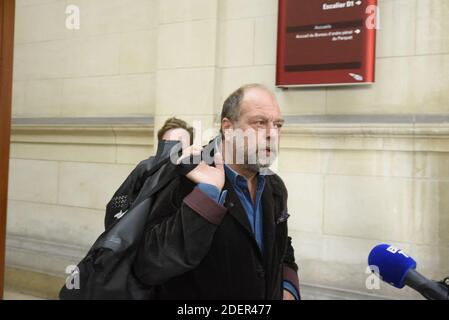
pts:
pixel 204 173
pixel 288 295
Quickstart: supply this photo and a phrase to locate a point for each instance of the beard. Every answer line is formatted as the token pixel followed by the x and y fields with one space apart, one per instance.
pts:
pixel 259 161
pixel 253 152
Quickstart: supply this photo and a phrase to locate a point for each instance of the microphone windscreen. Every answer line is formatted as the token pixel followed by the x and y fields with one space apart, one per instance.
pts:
pixel 390 264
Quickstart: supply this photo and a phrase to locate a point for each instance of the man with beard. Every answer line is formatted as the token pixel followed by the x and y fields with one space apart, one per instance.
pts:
pixel 220 232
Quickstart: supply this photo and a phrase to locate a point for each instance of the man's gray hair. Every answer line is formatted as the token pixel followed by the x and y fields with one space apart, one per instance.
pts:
pixel 232 104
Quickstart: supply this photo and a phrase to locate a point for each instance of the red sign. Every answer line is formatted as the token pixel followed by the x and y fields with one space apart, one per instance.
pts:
pixel 326 42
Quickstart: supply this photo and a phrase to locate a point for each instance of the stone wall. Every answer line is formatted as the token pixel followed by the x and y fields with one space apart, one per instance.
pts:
pixel 363 164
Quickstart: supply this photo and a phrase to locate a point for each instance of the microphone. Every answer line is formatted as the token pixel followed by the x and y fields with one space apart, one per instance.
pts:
pixel 395 267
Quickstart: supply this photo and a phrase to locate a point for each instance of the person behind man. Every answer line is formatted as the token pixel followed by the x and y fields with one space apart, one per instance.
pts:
pixel 220 232
pixel 172 132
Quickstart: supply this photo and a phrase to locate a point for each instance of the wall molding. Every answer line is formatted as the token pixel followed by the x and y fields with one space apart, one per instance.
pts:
pixel 406 138
pixel 84 134
pixel 381 125
pixel 317 292
pixel 411 131
pixel 84 121
pixel 348 132
pixel 41 256
pixel 370 119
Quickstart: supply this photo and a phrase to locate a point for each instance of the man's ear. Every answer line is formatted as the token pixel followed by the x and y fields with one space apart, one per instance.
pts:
pixel 226 124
